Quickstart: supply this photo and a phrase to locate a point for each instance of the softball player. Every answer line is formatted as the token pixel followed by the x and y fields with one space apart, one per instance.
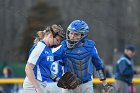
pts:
pixel 40 59
pixel 79 55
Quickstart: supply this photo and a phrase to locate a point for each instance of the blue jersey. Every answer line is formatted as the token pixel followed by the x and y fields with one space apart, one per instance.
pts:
pixel 42 57
pixel 79 60
pixel 124 69
pixel 56 67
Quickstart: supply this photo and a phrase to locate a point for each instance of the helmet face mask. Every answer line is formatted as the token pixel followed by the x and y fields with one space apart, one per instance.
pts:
pixel 76 32
pixel 74 36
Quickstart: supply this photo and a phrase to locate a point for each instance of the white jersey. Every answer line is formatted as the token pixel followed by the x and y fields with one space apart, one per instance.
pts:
pixel 42 57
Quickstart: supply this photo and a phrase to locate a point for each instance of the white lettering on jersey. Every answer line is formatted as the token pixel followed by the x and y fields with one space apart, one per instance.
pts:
pixel 54 68
pixel 50 58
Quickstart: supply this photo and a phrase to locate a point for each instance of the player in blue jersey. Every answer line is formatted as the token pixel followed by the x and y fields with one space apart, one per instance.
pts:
pixel 56 69
pixel 40 59
pixel 79 54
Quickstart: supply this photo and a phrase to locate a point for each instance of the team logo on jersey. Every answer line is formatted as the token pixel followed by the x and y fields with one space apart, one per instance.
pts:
pixel 79 51
pixel 46 52
pixel 50 58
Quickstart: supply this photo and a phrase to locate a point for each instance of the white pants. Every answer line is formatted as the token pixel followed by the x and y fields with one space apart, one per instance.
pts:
pixel 53 88
pixel 29 88
pixel 83 88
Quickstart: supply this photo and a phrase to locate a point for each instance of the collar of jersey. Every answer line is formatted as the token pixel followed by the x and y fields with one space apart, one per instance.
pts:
pixel 43 42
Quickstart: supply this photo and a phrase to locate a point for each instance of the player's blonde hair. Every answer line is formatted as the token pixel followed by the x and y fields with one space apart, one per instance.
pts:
pixel 56 30
pixel 38 38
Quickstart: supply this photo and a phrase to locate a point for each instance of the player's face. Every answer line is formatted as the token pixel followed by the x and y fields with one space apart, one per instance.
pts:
pixel 5 71
pixel 55 40
pixel 129 53
pixel 74 36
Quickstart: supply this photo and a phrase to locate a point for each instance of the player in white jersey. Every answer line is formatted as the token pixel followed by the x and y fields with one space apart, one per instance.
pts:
pixel 40 59
pixel 56 68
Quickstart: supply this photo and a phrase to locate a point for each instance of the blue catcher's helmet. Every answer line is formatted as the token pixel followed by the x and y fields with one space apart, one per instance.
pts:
pixel 77 26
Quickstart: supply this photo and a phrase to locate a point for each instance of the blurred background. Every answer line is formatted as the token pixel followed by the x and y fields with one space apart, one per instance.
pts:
pixel 113 25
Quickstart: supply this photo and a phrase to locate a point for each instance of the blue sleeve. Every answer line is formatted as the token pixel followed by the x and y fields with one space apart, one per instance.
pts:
pixel 124 68
pixel 58 54
pixel 96 59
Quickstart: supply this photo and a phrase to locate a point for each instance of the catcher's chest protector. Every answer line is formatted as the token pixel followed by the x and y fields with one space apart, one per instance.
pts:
pixel 79 60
